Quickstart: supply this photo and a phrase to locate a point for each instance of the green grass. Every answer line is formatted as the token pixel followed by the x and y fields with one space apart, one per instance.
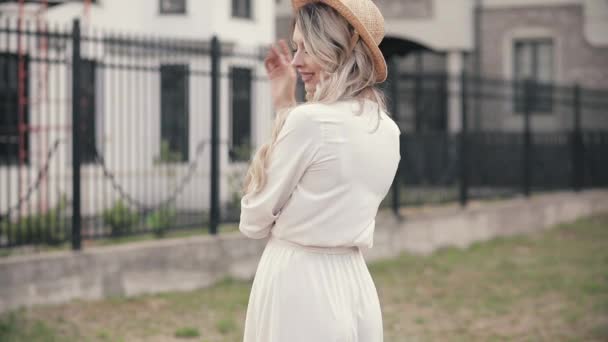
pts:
pixel 187 332
pixel 548 286
pixel 15 326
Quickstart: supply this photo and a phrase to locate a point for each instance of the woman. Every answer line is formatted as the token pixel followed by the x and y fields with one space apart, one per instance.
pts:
pixel 316 186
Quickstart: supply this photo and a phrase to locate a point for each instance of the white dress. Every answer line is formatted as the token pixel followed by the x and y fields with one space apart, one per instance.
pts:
pixel 326 177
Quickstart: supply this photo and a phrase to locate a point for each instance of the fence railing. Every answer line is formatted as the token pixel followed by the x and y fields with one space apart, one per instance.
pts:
pixel 514 137
pixel 106 135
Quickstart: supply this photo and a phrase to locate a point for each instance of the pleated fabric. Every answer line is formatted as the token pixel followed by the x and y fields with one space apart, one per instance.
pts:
pixel 308 294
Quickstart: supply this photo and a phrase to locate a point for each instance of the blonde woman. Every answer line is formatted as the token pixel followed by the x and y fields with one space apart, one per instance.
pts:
pixel 315 188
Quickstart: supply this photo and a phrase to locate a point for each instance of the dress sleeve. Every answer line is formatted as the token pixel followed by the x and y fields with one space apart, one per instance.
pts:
pixel 294 151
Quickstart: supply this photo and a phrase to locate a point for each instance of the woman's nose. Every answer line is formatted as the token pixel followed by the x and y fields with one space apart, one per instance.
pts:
pixel 297 59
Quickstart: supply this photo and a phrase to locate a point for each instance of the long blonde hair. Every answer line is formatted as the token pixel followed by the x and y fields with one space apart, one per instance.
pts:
pixel 348 75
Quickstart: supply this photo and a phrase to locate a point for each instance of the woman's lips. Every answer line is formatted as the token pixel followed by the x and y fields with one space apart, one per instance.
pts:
pixel 306 76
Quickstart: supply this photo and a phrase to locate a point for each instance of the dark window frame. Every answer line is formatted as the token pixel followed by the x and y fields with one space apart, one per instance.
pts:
pixel 541 98
pixel 9 127
pixel 241 91
pixel 182 11
pixel 242 9
pixel 175 133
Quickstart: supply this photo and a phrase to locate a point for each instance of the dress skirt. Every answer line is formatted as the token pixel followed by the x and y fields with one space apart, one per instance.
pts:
pixel 312 294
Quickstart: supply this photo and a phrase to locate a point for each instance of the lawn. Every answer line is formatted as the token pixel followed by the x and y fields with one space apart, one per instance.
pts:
pixel 550 286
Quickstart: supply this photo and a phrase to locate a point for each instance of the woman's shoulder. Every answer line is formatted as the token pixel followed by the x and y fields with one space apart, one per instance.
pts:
pixel 302 119
pixel 310 115
pixel 312 108
pixel 320 108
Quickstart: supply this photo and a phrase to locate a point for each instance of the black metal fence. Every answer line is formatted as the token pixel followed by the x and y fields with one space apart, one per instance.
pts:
pixel 104 134
pixel 480 138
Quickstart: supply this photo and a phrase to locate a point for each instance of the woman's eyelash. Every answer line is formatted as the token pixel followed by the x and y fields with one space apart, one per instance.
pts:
pixel 295 49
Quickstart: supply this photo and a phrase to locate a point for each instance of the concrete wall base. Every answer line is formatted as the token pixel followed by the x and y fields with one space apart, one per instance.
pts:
pixel 196 262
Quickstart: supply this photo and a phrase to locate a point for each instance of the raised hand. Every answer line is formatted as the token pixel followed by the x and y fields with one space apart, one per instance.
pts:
pixel 282 75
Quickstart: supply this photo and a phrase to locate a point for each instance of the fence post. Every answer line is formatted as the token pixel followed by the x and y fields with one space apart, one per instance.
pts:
pixel 76 219
pixel 528 98
pixel 394 84
pixel 214 215
pixel 577 144
pixel 464 180
pixel 418 94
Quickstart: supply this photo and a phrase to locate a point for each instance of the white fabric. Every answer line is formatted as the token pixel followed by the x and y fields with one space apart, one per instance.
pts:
pixel 327 175
pixel 300 295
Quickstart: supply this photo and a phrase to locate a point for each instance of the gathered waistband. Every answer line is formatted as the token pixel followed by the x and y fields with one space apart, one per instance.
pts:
pixel 315 249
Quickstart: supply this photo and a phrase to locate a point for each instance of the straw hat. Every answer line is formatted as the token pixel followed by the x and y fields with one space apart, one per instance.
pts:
pixel 367 21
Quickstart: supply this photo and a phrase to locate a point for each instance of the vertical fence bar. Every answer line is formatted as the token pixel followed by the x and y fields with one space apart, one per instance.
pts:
pixel 394 84
pixel 25 105
pixel 42 123
pixel 418 93
pixel 528 98
pixel 215 116
pixel 464 180
pixel 577 143
pixel 477 28
pixel 8 228
pixel 76 135
pixel 55 109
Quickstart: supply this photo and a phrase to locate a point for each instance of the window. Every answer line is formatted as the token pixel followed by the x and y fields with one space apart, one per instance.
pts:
pixel 174 113
pixel 87 111
pixel 173 6
pixel 241 8
pixel 241 79
pixel 11 139
pixel 534 61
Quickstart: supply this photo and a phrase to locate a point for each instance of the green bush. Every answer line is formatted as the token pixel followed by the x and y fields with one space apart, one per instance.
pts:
pixel 167 155
pixel 120 218
pixel 161 220
pixel 50 228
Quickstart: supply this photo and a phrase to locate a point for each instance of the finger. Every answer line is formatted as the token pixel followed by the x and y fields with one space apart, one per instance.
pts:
pixel 286 50
pixel 280 57
pixel 271 57
pixel 272 52
pixel 268 63
pixel 268 59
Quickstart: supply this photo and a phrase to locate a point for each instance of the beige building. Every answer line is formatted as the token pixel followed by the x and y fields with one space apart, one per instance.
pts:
pixel 558 43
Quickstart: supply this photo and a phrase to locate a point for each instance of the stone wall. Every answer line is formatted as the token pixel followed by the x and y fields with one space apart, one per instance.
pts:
pixel 196 262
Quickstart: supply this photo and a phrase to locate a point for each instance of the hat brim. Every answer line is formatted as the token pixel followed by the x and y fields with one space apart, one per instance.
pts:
pixel 377 56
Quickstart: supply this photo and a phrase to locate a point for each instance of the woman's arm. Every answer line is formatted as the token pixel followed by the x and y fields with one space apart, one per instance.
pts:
pixel 294 151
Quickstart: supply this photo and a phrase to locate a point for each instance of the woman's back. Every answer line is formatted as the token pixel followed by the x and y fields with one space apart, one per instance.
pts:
pixel 337 197
pixel 330 170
